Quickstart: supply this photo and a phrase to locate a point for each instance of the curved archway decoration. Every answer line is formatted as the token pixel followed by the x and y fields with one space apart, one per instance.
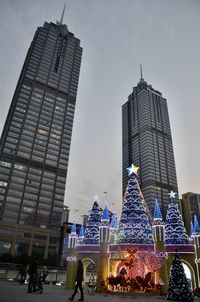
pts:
pixel 191 272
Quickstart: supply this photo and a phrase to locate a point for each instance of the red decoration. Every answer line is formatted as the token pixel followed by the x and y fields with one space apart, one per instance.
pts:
pixel 135 272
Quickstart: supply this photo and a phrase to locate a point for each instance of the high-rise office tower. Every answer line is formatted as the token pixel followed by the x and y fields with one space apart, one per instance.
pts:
pixel 147 142
pixel 35 143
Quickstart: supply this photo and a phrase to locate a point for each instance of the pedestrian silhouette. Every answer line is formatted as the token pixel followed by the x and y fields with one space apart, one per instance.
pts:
pixel 79 280
pixel 32 271
pixel 23 273
pixel 44 273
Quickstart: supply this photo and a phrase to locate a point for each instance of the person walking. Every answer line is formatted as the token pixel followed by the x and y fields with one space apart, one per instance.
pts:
pixel 32 271
pixel 79 280
pixel 44 273
pixel 23 273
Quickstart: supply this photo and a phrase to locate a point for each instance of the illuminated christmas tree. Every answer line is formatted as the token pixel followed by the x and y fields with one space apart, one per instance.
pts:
pixel 192 229
pixel 81 235
pixel 91 235
pixel 179 289
pixel 134 226
pixel 175 232
pixel 157 213
pixel 196 224
pixel 105 219
pixel 81 232
pixel 113 223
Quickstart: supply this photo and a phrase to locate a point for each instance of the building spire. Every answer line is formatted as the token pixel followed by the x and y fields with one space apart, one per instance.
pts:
pixel 141 76
pixel 63 12
pixel 142 83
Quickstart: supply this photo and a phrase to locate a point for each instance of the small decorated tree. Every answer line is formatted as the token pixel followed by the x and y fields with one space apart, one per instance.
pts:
pixel 179 289
pixel 175 232
pixel 196 225
pixel 192 229
pixel 113 223
pixel 91 235
pixel 81 235
pixel 105 219
pixel 157 213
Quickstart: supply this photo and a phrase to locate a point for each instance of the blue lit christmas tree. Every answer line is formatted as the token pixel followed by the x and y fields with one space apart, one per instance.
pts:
pixel 81 232
pixel 105 216
pixel 73 227
pixel 192 229
pixel 134 226
pixel 92 228
pixel 175 232
pixel 196 224
pixel 81 235
pixel 157 213
pixel 113 223
pixel 179 289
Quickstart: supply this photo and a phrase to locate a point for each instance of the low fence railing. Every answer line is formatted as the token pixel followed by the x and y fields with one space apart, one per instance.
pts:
pixel 10 272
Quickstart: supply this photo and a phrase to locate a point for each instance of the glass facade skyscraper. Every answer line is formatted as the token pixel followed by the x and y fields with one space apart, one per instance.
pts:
pixel 147 143
pixel 35 143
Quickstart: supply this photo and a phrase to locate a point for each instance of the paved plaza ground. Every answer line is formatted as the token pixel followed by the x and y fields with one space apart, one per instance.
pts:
pixel 13 292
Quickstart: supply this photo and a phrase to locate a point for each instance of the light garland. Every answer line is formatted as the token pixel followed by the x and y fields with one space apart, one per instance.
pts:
pixel 161 255
pixel 71 258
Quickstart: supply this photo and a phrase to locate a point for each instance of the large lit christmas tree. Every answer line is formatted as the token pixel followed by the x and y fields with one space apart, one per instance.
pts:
pixel 179 289
pixel 91 235
pixel 134 226
pixel 175 232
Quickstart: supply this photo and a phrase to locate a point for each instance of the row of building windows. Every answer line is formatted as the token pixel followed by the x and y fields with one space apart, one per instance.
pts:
pixel 20 169
pixel 25 144
pixel 15 190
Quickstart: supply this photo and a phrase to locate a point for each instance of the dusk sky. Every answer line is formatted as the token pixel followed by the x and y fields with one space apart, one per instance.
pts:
pixel 116 36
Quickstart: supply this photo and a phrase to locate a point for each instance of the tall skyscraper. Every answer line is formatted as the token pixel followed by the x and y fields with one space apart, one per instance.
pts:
pixel 35 143
pixel 147 142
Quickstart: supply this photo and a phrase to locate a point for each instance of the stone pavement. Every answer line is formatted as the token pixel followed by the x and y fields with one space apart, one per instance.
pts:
pixel 13 292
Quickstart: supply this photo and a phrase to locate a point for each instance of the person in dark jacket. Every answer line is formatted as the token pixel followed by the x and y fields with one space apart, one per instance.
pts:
pixel 44 273
pixel 23 273
pixel 32 271
pixel 79 280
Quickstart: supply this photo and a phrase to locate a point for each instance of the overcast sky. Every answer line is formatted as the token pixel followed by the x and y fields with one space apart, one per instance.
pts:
pixel 116 36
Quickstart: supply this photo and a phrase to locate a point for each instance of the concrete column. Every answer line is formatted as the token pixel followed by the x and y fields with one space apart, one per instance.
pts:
pixel 12 251
pixel 102 267
pixel 71 269
pixel 46 248
pixel 161 275
pixel 30 248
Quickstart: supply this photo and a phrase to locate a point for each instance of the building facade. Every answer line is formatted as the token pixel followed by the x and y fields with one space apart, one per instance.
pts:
pixel 147 143
pixel 35 144
pixel 190 206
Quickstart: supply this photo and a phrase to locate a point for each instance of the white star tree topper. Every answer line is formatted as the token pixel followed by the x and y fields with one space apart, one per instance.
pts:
pixel 132 169
pixel 172 194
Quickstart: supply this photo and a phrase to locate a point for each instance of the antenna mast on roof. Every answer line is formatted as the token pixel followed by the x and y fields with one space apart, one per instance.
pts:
pixel 63 12
pixel 141 77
